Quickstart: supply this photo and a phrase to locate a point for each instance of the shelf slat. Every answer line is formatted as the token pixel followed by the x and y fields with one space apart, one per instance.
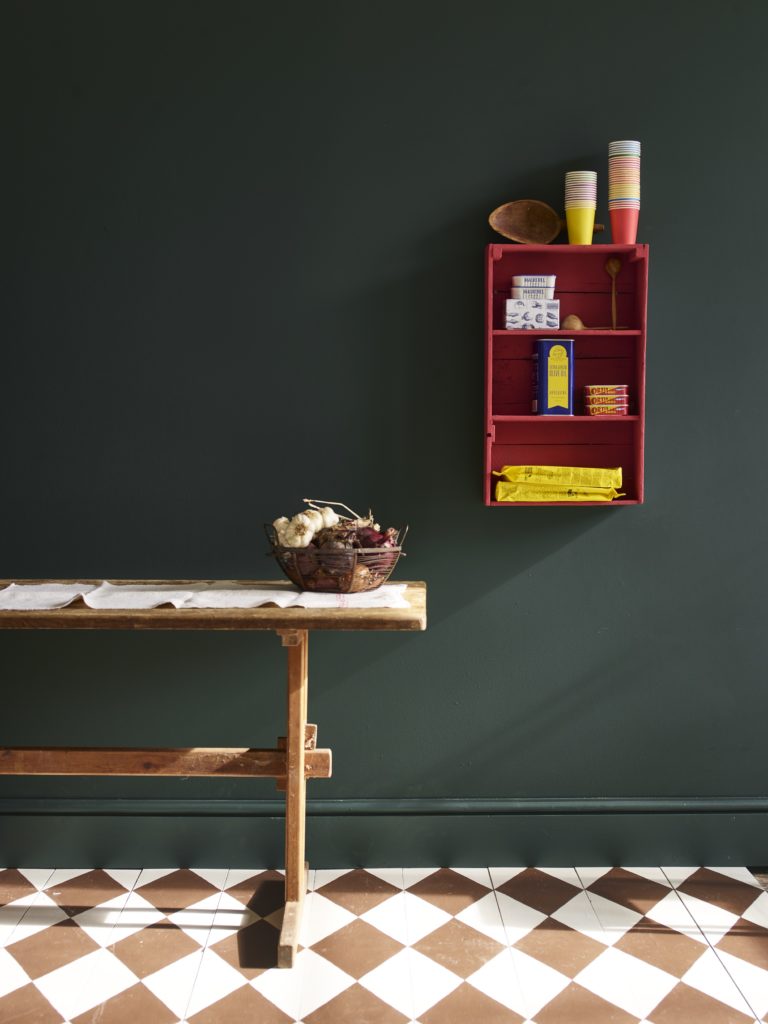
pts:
pixel 568 334
pixel 568 504
pixel 562 419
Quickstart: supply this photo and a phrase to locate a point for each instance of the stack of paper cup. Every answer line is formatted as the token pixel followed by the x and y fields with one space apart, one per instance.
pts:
pixel 580 205
pixel 624 189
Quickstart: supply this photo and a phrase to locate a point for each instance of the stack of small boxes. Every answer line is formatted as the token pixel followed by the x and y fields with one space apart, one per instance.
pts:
pixel 533 306
pixel 606 399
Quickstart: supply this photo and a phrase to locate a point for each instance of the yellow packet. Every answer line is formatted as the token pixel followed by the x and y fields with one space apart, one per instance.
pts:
pixel 564 476
pixel 506 491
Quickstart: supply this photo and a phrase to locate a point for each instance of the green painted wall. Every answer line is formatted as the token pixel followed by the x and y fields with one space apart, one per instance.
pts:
pixel 243 256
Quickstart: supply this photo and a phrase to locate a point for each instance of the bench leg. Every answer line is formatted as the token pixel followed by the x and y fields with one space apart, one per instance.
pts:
pixel 296 794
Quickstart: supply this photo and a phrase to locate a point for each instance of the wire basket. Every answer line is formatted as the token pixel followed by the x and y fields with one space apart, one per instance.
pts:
pixel 336 571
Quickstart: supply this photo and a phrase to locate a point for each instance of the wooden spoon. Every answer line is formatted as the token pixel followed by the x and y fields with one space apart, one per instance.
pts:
pixel 613 266
pixel 529 221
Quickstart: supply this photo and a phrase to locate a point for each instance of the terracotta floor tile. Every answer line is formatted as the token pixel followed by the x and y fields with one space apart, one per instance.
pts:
pixel 629 890
pixel 357 948
pixel 13 885
pixel 252 950
pixel 177 890
pixel 747 941
pixel 660 946
pixel 539 890
pixel 136 1005
pixel 244 1006
pixel 358 891
pixel 153 947
pixel 466 1005
pixel 575 1005
pixel 263 893
pixel 560 947
pixel 28 1006
pixel 459 948
pixel 356 1005
pixel 449 890
pixel 51 948
pixel 685 1004
pixel 724 892
pixel 85 891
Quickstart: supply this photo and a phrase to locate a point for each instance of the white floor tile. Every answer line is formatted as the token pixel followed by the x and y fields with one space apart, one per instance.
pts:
pixel 12 975
pixel 430 981
pixel 389 917
pixel 501 875
pixel 197 920
pixel 421 917
pixel 569 875
pixel 750 980
pixel 101 923
pixel 62 875
pixel 324 876
pixel 672 913
pixel 391 982
pixel 11 914
pixel 321 917
pixel 517 918
pixel 37 876
pixel 311 982
pixel 709 976
pixel 41 913
pixel 125 878
pixel 757 913
pixel 713 921
pixel 229 918
pixel 678 875
pixel 614 919
pixel 137 913
pixel 84 983
pixel 215 980
pixel 579 914
pixel 739 874
pixel 237 875
pixel 652 874
pixel 320 981
pixel 587 876
pixel 484 916
pixel 518 982
pixel 632 984
pixel 214 876
pixel 480 876
pixel 413 875
pixel 173 984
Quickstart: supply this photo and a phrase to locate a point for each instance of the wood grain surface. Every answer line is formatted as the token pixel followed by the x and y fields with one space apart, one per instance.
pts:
pixel 79 616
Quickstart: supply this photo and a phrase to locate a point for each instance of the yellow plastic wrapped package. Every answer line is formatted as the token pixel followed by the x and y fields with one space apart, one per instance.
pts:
pixel 564 476
pixel 533 491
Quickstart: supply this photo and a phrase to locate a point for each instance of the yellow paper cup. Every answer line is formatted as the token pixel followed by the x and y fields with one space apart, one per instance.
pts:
pixel 581 225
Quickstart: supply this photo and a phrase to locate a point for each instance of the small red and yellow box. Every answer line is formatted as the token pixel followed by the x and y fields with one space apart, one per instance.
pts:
pixel 606 390
pixel 615 407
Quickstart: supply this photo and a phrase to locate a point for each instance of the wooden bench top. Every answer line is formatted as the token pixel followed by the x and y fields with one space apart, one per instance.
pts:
pixel 79 616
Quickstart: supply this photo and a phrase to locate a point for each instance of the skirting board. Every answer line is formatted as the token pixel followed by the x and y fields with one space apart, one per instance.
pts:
pixel 386 832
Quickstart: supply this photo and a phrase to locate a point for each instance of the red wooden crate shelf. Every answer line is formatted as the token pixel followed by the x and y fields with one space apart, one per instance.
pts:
pixel 601 356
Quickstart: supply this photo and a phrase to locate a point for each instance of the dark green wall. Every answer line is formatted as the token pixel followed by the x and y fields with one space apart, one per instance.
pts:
pixel 243 252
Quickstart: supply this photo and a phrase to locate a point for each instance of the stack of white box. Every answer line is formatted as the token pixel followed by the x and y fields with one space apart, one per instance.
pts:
pixel 532 306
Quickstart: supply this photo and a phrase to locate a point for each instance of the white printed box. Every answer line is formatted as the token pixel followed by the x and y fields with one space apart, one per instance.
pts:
pixel 532 315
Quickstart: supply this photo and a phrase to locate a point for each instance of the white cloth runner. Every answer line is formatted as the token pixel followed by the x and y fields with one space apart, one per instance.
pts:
pixel 44 596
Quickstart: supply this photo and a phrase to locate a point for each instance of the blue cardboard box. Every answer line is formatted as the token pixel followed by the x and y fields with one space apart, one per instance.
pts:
pixel 553 377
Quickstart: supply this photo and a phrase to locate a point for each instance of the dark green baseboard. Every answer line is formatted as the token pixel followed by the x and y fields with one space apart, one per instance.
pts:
pixel 345 833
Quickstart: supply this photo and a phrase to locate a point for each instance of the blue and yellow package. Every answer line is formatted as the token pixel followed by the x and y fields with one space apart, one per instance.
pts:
pixel 553 377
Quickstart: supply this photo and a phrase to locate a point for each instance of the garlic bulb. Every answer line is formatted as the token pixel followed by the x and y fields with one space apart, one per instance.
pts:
pixel 280 526
pixel 316 519
pixel 299 532
pixel 329 516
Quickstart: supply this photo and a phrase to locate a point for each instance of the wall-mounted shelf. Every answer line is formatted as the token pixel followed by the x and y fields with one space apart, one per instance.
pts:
pixel 601 356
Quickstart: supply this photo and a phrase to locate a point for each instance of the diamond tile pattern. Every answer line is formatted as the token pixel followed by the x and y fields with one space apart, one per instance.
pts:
pixel 501 945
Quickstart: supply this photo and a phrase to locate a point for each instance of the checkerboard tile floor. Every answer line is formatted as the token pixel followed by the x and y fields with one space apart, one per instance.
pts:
pixel 391 946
